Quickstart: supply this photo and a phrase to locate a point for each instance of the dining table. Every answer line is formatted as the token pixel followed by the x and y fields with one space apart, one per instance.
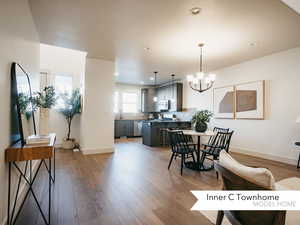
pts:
pixel 198 165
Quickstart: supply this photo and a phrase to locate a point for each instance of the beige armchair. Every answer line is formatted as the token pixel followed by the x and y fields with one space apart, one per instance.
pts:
pixel 237 176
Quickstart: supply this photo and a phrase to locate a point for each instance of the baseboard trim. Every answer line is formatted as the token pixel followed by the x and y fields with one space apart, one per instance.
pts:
pixel 22 191
pixel 277 158
pixel 92 151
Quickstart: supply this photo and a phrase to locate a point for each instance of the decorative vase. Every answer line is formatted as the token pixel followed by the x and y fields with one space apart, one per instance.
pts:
pixel 68 144
pixel 44 121
pixel 200 127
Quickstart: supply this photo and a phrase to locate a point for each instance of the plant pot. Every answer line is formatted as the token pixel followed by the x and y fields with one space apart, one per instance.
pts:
pixel 44 121
pixel 200 127
pixel 68 144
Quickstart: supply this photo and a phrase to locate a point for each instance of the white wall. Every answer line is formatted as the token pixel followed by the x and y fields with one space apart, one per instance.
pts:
pixel 67 62
pixel 19 42
pixel 97 119
pixel 273 137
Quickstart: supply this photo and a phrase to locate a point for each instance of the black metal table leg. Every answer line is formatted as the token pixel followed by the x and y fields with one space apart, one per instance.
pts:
pixel 9 184
pixel 11 219
pixel 49 212
pixel 298 164
pixel 198 165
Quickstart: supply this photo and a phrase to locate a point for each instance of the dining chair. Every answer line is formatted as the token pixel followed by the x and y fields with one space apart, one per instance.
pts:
pixel 219 142
pixel 180 148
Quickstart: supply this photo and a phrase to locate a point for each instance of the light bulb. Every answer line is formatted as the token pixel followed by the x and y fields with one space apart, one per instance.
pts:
pixel 155 99
pixel 195 81
pixel 207 80
pixel 190 78
pixel 200 75
pixel 212 77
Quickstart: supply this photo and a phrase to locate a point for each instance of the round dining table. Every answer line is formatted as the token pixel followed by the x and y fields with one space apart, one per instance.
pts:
pixel 198 165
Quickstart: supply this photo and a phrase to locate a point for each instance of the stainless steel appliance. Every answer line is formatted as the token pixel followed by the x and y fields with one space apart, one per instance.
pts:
pixel 164 105
pixel 137 128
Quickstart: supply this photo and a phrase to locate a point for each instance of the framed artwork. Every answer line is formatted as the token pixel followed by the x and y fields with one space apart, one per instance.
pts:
pixel 224 102
pixel 250 100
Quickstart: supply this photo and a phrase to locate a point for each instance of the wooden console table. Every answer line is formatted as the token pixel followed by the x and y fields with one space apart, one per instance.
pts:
pixel 27 153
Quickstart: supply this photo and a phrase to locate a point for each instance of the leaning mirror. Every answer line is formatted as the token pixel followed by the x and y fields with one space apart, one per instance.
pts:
pixel 22 109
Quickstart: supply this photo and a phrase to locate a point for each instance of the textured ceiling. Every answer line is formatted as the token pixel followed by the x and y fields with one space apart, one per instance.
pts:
pixel 120 30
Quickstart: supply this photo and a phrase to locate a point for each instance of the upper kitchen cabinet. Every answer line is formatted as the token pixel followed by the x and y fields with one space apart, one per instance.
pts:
pixel 169 98
pixel 148 105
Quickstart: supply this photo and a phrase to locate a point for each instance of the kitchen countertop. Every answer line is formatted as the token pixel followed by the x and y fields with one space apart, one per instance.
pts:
pixel 166 121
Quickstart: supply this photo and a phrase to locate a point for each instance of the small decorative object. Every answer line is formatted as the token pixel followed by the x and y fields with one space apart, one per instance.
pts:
pixel 195 82
pixel 72 107
pixel 224 102
pixel 250 100
pixel 200 120
pixel 45 100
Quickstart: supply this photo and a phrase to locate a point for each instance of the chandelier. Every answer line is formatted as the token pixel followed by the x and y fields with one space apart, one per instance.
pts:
pixel 201 82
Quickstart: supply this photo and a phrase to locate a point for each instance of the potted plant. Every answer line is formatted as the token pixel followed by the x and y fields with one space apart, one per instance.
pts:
pixel 72 107
pixel 200 120
pixel 45 100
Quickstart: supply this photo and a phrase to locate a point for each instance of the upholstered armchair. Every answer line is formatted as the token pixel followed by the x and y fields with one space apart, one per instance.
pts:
pixel 237 176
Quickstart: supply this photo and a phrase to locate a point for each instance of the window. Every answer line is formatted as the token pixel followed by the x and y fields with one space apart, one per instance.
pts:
pixel 63 85
pixel 129 102
pixel 116 102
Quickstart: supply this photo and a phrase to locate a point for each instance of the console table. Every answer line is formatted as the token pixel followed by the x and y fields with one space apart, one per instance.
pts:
pixel 27 153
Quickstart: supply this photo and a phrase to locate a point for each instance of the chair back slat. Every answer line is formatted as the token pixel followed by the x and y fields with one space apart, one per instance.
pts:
pixel 221 141
pixel 216 130
pixel 178 141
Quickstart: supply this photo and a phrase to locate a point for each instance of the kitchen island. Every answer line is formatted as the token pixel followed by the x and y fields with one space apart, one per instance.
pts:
pixel 154 134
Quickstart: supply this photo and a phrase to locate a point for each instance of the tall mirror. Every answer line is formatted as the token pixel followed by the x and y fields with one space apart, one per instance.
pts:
pixel 22 110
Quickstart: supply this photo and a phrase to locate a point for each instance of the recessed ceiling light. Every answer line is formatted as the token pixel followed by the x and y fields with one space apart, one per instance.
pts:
pixel 116 74
pixel 151 78
pixel 195 10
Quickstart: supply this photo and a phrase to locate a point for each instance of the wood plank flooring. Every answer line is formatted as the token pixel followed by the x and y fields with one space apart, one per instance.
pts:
pixel 130 187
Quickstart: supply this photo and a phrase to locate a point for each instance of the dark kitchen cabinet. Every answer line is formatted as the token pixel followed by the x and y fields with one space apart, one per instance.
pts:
pixel 124 128
pixel 173 93
pixel 148 105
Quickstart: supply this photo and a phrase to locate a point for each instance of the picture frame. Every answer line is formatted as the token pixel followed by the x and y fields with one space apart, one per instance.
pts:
pixel 224 102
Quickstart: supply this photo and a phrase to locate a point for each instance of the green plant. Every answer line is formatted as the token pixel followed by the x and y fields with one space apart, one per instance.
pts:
pixel 46 98
pixel 202 116
pixel 72 107
pixel 26 105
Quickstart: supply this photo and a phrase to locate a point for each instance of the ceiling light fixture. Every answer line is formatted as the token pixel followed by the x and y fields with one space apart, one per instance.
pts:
pixel 195 82
pixel 155 75
pixel 195 10
pixel 116 74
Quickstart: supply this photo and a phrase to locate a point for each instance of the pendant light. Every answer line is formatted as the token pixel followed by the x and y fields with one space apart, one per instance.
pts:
pixel 155 76
pixel 173 87
pixel 195 82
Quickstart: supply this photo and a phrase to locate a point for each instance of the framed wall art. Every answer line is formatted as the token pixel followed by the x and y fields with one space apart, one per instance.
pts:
pixel 250 103
pixel 224 102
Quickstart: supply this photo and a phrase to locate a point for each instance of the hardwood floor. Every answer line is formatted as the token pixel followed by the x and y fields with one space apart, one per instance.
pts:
pixel 130 187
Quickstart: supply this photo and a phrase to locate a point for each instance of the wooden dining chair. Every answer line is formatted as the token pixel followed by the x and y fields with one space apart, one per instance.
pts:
pixel 180 148
pixel 221 141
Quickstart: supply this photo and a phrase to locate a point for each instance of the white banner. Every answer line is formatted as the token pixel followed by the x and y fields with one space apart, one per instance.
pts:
pixel 247 200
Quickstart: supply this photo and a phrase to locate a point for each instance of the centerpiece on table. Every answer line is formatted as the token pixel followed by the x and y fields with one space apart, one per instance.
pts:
pixel 200 120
